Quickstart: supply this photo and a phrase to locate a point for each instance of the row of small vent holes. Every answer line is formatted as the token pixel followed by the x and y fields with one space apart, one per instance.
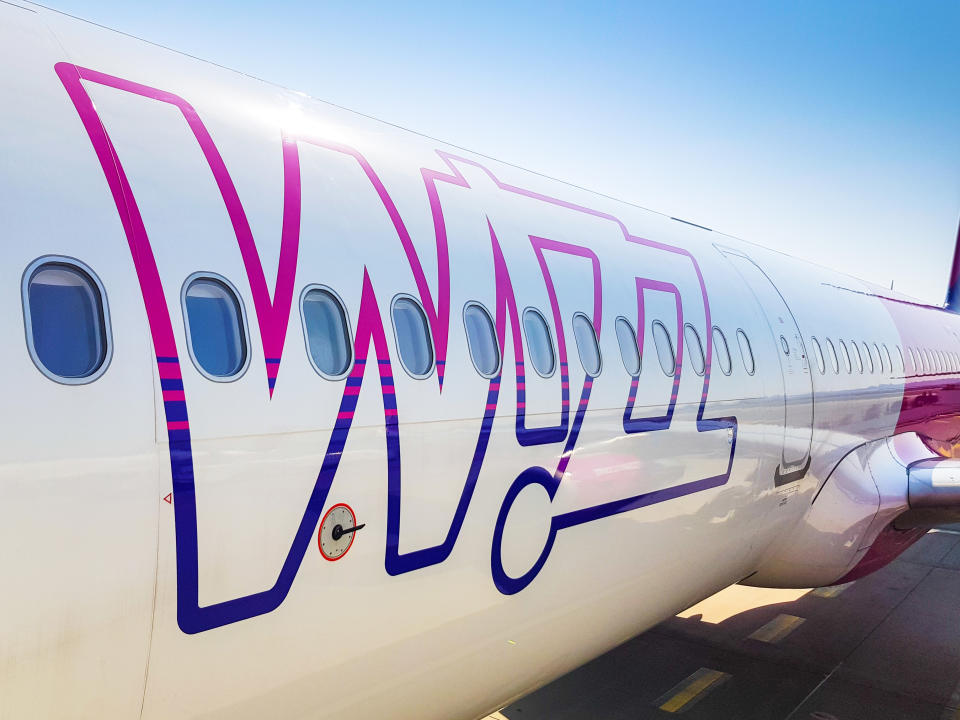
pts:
pixel 878 358
pixel 69 337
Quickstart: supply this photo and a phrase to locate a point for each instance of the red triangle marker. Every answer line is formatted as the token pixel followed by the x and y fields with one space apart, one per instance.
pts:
pixel 168 499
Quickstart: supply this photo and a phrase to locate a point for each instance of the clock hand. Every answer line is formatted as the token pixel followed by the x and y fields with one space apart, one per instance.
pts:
pixel 339 531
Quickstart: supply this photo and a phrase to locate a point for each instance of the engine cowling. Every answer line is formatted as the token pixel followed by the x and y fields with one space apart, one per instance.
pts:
pixel 879 500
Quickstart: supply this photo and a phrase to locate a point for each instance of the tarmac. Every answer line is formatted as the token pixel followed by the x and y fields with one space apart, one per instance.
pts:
pixel 886 647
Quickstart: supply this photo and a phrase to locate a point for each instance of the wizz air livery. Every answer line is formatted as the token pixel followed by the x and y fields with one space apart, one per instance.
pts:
pixel 312 417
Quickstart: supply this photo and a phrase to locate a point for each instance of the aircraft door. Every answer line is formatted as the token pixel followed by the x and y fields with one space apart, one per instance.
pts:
pixel 794 368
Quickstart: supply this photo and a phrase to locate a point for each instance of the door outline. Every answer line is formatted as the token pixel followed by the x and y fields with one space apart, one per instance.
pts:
pixel 786 472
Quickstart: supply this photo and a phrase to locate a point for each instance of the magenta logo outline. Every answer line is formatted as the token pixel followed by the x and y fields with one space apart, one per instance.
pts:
pixel 273 319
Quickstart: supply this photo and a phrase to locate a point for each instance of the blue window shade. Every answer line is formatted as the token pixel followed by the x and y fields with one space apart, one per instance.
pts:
pixel 328 336
pixel 413 337
pixel 721 351
pixel 694 348
pixel 67 323
pixel 629 352
pixel 665 352
pixel 539 342
pixel 481 339
pixel 216 329
pixel 587 346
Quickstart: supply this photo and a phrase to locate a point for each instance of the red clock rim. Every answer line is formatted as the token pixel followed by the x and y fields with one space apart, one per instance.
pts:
pixel 320 529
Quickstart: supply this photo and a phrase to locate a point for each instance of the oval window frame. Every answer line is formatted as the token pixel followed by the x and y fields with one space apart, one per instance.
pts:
pixel 635 345
pixel 717 332
pixel 818 355
pixel 526 342
pixel 868 356
pixel 698 349
pixel 396 338
pixel 834 358
pixel 845 354
pixel 670 345
pixel 496 344
pixel 752 368
pixel 887 358
pixel 244 326
pixel 857 357
pixel 596 343
pixel 106 327
pixel 348 326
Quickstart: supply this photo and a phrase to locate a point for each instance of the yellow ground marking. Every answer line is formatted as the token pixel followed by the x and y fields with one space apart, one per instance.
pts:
pixel 496 716
pixel 777 629
pixel 830 592
pixel 681 697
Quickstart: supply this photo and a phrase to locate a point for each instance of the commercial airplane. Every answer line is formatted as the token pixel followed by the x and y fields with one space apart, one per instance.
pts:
pixel 312 417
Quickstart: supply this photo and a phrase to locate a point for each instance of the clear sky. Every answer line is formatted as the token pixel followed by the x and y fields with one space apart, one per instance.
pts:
pixel 826 129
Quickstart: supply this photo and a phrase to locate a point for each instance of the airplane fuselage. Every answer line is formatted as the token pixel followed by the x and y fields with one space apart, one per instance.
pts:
pixel 558 418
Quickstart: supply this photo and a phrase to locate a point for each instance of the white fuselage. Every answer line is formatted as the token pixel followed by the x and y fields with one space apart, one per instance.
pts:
pixel 159 528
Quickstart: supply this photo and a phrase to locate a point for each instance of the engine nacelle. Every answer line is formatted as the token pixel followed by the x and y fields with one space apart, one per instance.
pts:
pixel 878 501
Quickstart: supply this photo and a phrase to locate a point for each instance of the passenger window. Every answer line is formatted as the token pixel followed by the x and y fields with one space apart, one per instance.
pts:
pixel 902 367
pixel 587 347
pixel 327 331
pixel 216 328
pixel 832 352
pixel 629 352
pixel 721 351
pixel 413 337
pixel 818 354
pixel 746 352
pixel 539 342
pixel 68 330
pixel 857 356
pixel 914 361
pixel 481 339
pixel 887 358
pixel 846 357
pixel 665 352
pixel 694 348
pixel 867 358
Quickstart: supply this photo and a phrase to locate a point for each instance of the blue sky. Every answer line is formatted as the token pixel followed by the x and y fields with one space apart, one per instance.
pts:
pixel 829 130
